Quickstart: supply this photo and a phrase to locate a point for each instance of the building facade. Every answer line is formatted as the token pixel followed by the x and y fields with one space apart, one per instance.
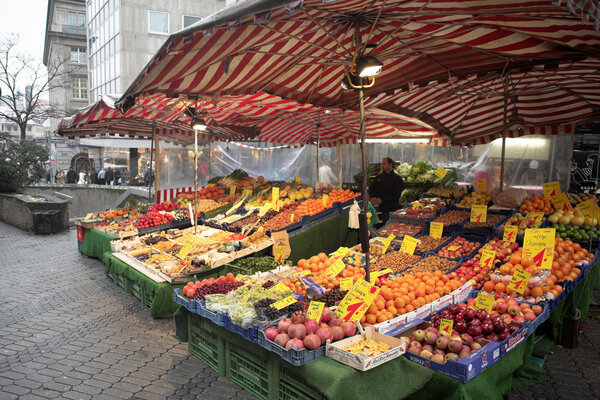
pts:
pixel 124 34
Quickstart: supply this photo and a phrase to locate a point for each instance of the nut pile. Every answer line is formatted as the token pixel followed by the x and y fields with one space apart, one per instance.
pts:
pixel 491 220
pixel 331 297
pixel 432 264
pixel 396 261
pixel 428 243
pixel 453 217
pixel 246 221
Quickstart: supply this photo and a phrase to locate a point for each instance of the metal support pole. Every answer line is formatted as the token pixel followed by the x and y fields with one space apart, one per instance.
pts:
pixel 157 158
pixel 151 167
pixel 363 151
pixel 195 181
pixel 504 132
pixel 570 161
pixel 318 144
pixel 339 164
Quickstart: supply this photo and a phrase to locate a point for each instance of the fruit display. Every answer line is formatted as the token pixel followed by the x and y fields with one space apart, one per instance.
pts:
pixel 256 264
pixel 286 217
pixel 313 206
pixel 524 222
pixel 199 289
pixel 396 261
pixel 429 243
pixel 580 233
pixel 331 297
pixel 164 206
pixel 453 217
pixel 342 196
pixel 427 208
pixel 407 293
pixel 153 219
pixel 318 265
pixel 448 192
pixel 400 230
pixel 298 332
pixel 423 172
pixel 573 217
pixel 470 271
pixel 576 198
pixel 491 220
pixel 481 198
pixel 432 264
pixel 537 203
pixel 458 247
pixel 210 192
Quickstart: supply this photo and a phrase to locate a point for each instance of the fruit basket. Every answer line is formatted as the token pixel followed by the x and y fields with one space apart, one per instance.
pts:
pixel 498 218
pixel 470 241
pixel 293 356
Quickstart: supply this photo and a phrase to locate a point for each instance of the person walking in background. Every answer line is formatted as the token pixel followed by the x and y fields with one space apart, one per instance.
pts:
pixel 93 177
pixel 117 177
pixel 386 189
pixel 102 176
pixel 110 176
pixel 71 176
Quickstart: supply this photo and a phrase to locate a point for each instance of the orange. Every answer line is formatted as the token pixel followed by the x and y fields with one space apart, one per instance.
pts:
pixel 387 294
pixel 536 291
pixel 399 302
pixel 371 318
pixel 489 286
pixel 499 287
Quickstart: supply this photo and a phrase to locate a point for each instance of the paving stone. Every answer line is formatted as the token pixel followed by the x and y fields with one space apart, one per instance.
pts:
pixel 31 396
pixel 56 385
pixel 76 395
pixel 144 395
pixel 29 383
pixel 14 389
pixel 107 378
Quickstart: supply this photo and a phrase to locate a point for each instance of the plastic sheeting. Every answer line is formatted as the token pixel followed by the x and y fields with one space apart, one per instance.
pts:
pixel 529 162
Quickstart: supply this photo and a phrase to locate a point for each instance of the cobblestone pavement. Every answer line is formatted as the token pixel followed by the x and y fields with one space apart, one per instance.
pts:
pixel 67 331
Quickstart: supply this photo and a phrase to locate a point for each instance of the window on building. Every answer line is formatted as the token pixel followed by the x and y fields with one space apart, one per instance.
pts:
pixel 78 55
pixel 80 88
pixel 81 19
pixel 190 20
pixel 76 19
pixel 158 22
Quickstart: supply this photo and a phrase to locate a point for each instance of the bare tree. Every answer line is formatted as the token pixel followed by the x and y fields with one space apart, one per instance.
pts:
pixel 20 70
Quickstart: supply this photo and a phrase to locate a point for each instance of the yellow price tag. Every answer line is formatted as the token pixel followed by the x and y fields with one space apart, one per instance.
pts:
pixel 482 185
pixel 292 217
pixel 436 230
pixel 185 249
pixel 298 179
pixel 341 252
pixel 354 305
pixel 519 281
pixel 335 269
pixel 485 302
pixel 284 302
pixel 150 252
pixel 279 253
pixel 510 233
pixel 251 281
pixel 302 273
pixel 487 258
pixel 446 325
pixel 325 200
pixel 346 283
pixel 247 192
pixel 561 202
pixel 89 215
pixel 539 245
pixel 275 198
pixel 453 248
pixel 416 205
pixel 478 213
pixel 535 216
pixel 264 209
pixel 314 311
pixel 376 274
pixel 409 244
pixel 280 287
pixel 211 185
pixel 232 190
pixel 239 277
pixel 551 189
pixel 387 241
pixel 589 208
pixel 441 172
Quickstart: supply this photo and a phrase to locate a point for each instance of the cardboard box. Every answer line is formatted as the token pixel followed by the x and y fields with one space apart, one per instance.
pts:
pixel 464 369
pixel 419 314
pixel 390 324
pixel 461 294
pixel 360 362
pixel 442 303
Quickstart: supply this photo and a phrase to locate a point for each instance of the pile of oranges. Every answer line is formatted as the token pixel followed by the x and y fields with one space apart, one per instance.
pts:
pixel 407 293
pixel 341 196
pixel 112 214
pixel 537 203
pixel 313 206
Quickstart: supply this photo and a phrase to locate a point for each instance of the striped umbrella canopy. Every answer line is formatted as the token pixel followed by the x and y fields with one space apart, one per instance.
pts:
pixel 300 49
pixel 543 100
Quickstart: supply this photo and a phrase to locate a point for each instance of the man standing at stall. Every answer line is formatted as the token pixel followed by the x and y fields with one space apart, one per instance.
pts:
pixel 386 189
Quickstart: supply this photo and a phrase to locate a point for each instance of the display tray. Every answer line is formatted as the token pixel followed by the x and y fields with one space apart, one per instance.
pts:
pixel 140 266
pixel 293 356
pixel 87 224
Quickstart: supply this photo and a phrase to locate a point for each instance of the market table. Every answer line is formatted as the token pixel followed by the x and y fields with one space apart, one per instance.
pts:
pixel 396 379
pixel 95 244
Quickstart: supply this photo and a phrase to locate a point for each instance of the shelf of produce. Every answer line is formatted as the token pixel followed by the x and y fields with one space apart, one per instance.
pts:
pixel 140 267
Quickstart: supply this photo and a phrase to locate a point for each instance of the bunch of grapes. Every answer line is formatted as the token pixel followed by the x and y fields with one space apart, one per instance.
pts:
pixel 215 288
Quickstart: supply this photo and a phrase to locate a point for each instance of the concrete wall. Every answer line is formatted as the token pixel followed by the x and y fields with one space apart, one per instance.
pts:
pixel 18 211
pixel 90 198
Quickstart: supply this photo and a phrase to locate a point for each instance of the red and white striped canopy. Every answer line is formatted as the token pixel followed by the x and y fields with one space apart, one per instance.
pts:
pixel 299 49
pixel 471 111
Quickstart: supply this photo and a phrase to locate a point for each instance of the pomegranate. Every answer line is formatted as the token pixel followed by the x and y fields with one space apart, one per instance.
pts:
pixel 298 317
pixel 325 334
pixel 295 343
pixel 271 332
pixel 335 321
pixel 297 331
pixel 311 326
pixel 349 328
pixel 337 332
pixel 326 315
pixel 312 341
pixel 284 324
pixel 282 339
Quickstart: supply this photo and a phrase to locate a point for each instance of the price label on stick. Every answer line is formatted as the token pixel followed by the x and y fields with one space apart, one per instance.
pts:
pixel 535 216
pixel 232 190
pixel 441 172
pixel 325 200
pixel 247 192
pixel 436 230
pixel 551 189
pixel 485 302
pixel 251 281
pixel 284 302
pixel 478 213
pixel 416 205
pixel 510 233
pixel 487 258
pixel 275 198
pixel 315 309
pixel 453 248
pixel 302 273
pixel 561 202
pixel 185 250
pixel 539 245
pixel 292 217
pixel 386 242
pixel 589 208
pixel 280 287
pixel 150 251
pixel 239 277
pixel 264 209
pixel 376 274
pixel 346 283
pixel 446 325
pixel 279 253
pixel 354 305
pixel 335 268
pixel 409 244
pixel 482 185
pixel 519 281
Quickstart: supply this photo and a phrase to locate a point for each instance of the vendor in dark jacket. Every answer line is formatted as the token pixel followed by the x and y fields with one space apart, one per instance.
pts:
pixel 386 189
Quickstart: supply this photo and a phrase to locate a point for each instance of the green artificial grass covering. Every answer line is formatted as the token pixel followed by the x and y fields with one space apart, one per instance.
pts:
pixel 95 244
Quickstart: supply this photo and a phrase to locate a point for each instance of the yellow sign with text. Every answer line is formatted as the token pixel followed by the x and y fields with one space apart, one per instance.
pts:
pixel 487 258
pixel 482 185
pixel 519 281
pixel 280 287
pixel 510 233
pixel 535 216
pixel 539 245
pixel 264 209
pixel 284 302
pixel 325 200
pixel 589 208
pixel 387 241
pixel 232 190
pixel 409 244
pixel 478 213
pixel 446 325
pixel 275 199
pixel 485 302
pixel 354 305
pixel 346 283
pixel 279 253
pixel 185 250
pixel 335 269
pixel 314 311
pixel 551 189
pixel 436 230
pixel 441 172
pixel 561 202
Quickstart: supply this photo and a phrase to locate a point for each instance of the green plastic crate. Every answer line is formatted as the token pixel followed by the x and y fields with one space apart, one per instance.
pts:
pixel 206 344
pixel 292 387
pixel 148 298
pixel 120 280
pixel 250 371
pixel 135 289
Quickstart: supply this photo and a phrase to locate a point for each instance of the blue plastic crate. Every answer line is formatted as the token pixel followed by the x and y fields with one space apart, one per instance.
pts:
pixel 179 298
pixel 216 318
pixel 471 238
pixel 311 218
pixel 250 334
pixel 488 230
pixel 293 356
pixel 435 250
pixel 345 206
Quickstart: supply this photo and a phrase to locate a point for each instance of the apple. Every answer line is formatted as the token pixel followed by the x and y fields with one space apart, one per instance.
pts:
pixel 442 343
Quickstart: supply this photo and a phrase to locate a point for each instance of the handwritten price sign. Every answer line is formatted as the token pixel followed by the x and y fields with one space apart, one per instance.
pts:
pixel 510 233
pixel 436 230
pixel 519 281
pixel 487 258
pixel 354 305
pixel 539 244
pixel 478 213
pixel 275 198
pixel 386 242
pixel 589 208
pixel 315 309
pixel 441 172
pixel 482 186
pixel 561 202
pixel 409 244
pixel 551 189
pixel 284 302
pixel 335 268
pixel 346 283
pixel 485 302
pixel 279 253
pixel 446 325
